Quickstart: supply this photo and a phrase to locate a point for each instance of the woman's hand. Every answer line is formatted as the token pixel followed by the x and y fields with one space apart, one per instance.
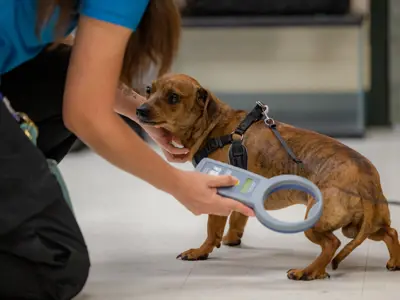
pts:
pixel 198 193
pixel 164 139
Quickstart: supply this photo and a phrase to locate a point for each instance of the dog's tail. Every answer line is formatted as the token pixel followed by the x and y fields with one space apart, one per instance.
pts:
pixel 362 235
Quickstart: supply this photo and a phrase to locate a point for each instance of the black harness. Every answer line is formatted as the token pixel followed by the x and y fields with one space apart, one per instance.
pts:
pixel 237 151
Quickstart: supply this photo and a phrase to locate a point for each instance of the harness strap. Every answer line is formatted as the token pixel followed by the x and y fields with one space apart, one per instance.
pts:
pixel 254 116
pixel 239 154
pixel 270 123
pixel 211 146
pixel 284 145
pixel 214 144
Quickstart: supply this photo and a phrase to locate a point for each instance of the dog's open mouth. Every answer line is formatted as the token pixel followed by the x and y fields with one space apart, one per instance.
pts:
pixel 150 122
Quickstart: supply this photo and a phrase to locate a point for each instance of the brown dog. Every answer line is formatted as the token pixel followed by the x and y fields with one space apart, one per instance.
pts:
pixel 350 184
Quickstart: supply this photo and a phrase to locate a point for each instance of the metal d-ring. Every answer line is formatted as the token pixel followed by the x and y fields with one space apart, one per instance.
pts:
pixel 269 122
pixel 233 134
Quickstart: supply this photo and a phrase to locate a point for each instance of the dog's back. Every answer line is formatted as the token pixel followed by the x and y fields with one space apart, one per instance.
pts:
pixel 327 162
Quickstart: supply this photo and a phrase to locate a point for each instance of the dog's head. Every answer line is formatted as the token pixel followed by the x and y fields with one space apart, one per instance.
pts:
pixel 176 102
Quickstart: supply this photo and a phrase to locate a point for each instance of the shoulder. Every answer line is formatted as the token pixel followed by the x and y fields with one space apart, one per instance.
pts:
pixel 126 13
pixel 18 40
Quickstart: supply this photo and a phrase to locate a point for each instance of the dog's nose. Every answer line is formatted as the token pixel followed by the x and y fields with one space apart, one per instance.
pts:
pixel 143 111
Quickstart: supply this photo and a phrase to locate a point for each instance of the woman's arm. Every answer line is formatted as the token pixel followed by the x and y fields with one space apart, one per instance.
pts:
pixel 88 111
pixel 90 98
pixel 126 102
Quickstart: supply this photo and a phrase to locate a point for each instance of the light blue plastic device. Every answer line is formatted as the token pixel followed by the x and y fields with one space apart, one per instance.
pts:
pixel 252 190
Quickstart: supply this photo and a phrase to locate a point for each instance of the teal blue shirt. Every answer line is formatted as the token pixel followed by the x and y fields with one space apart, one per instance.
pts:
pixel 19 42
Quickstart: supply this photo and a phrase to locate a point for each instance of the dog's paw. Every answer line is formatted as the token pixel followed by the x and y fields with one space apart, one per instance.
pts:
pixel 393 265
pixel 231 242
pixel 193 254
pixel 335 264
pixel 301 275
pixel 231 239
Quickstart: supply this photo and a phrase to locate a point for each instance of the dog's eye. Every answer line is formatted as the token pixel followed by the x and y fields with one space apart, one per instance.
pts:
pixel 173 98
pixel 148 90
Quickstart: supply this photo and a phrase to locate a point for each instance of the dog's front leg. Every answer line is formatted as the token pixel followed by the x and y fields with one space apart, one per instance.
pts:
pixel 237 223
pixel 215 230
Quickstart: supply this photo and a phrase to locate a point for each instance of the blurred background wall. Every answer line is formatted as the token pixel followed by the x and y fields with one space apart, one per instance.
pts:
pixel 318 77
pixel 272 59
pixel 394 38
pixel 338 75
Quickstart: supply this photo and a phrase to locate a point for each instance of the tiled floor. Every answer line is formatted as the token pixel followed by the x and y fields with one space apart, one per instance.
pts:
pixel 134 233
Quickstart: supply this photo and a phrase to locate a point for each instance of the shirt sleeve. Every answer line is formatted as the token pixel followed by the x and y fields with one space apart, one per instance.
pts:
pixel 126 13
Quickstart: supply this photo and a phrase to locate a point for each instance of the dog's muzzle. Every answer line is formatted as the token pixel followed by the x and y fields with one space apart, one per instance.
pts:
pixel 143 112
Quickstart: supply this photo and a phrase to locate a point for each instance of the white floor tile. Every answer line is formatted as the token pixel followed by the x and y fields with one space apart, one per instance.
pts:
pixel 134 233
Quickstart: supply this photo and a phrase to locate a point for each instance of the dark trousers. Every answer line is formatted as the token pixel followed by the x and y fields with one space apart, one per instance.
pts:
pixel 43 254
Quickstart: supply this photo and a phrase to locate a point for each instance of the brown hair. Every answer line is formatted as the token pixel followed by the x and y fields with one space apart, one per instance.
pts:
pixel 156 39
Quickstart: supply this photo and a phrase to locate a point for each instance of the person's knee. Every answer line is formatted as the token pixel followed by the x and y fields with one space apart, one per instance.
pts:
pixel 76 275
pixel 22 279
pixel 68 279
pixel 81 266
pixel 47 256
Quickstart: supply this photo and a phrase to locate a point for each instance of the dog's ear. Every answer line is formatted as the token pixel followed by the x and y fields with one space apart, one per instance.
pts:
pixel 207 102
pixel 202 95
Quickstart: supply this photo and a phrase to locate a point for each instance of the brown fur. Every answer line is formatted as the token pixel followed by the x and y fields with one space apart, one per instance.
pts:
pixel 350 184
pixel 156 40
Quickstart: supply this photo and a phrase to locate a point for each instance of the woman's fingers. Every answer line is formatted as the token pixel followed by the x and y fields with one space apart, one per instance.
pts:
pixel 229 205
pixel 226 206
pixel 238 207
pixel 222 181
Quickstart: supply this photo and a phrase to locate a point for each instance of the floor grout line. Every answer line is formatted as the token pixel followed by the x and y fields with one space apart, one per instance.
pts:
pixel 365 272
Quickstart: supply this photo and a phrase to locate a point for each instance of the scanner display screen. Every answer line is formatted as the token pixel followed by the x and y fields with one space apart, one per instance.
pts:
pixel 246 186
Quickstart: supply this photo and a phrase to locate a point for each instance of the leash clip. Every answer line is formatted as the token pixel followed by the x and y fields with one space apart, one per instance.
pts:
pixel 265 109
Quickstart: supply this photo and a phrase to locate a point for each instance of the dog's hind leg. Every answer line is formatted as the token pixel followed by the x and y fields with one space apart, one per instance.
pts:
pixel 215 230
pixel 390 237
pixel 328 242
pixel 362 235
pixel 317 269
pixel 237 223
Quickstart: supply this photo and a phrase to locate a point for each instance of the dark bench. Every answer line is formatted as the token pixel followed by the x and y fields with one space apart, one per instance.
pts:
pixel 272 21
